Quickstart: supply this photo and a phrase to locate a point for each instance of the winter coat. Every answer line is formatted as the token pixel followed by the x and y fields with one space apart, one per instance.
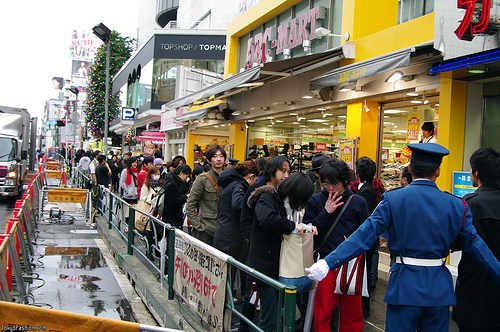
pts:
pixel 477 294
pixel 175 197
pixel 269 223
pixel 228 231
pixel 129 190
pixel 247 212
pixel 203 198
pixel 354 215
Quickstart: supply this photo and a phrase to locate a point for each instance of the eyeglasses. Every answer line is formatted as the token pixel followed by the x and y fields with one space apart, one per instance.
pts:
pixel 326 184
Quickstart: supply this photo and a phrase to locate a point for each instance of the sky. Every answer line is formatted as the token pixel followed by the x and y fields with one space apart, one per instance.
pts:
pixel 35 38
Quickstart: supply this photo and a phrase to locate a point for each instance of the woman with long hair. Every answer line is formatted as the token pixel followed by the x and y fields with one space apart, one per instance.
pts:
pixel 321 210
pixel 270 222
pixel 128 181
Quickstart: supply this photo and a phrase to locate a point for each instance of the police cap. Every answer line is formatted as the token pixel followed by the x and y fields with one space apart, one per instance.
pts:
pixel 428 152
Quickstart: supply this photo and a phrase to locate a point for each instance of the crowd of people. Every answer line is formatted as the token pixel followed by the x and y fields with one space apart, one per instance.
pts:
pixel 244 208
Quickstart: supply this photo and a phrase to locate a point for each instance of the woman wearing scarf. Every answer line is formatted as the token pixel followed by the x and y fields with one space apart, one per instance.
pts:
pixel 152 185
pixel 128 181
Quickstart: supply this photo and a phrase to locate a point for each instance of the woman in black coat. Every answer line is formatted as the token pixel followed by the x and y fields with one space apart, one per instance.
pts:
pixel 234 182
pixel 175 195
pixel 270 222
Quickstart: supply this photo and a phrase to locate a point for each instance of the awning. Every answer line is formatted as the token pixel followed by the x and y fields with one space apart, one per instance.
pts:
pixel 363 69
pixel 151 136
pixel 193 115
pixel 256 76
pixel 227 84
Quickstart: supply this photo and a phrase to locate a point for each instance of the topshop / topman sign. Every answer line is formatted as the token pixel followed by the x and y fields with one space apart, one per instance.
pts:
pixel 208 47
pixel 263 46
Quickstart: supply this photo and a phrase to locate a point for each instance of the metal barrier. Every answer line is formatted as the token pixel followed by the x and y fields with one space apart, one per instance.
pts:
pixel 120 216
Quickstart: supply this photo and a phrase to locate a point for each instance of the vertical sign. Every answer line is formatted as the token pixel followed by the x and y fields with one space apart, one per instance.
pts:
pixel 436 113
pixel 200 274
pixel 346 152
pixel 413 127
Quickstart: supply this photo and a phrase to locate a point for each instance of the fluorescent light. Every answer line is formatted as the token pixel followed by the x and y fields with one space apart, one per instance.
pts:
pixel 295 122
pixel 416 101
pixel 328 114
pixel 317 120
pixel 270 117
pixel 250 120
pixel 279 121
pixel 216 126
pixel 307 97
pixel 393 111
pixel 412 94
pixel 321 109
pixel 342 116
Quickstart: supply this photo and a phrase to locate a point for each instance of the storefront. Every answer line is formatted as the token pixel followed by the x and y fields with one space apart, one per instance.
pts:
pixel 170 64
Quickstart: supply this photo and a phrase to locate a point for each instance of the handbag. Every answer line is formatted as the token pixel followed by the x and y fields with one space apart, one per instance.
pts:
pixel 296 254
pixel 352 278
pixel 142 223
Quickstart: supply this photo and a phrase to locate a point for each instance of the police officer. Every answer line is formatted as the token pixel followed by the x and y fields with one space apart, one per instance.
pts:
pixel 422 223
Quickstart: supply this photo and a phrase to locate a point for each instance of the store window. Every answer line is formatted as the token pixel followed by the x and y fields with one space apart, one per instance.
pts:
pixel 401 127
pixel 411 9
pixel 298 135
pixel 199 74
pixel 491 124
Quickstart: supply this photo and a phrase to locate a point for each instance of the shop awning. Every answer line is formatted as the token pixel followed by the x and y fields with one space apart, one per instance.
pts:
pixel 193 115
pixel 257 75
pixel 151 136
pixel 363 69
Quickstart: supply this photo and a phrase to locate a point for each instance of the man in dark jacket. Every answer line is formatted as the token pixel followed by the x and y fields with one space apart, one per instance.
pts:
pixel 365 171
pixel 175 195
pixel 478 297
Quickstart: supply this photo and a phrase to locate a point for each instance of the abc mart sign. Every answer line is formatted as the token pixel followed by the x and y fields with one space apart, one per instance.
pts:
pixel 262 47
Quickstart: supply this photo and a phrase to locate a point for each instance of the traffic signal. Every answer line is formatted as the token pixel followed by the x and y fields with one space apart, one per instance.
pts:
pixel 61 123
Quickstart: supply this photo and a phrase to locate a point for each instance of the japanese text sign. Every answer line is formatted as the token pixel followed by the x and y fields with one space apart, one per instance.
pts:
pixel 462 184
pixel 413 127
pixel 200 276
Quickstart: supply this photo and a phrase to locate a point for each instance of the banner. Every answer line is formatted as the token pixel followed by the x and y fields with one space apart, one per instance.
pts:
pixel 200 278
pixel 413 127
pixel 347 153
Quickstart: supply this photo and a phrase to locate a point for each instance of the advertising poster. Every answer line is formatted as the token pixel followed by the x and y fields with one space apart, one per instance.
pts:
pixel 335 136
pixel 200 279
pixel 462 184
pixel 413 127
pixel 346 153
pixel 259 141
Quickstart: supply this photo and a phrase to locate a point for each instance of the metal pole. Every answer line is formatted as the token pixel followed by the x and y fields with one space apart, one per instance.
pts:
pixel 170 262
pixel 131 226
pixel 106 101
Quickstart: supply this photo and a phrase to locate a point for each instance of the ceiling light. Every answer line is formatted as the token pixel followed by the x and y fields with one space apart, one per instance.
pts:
pixel 216 126
pixel 236 113
pixel 343 116
pixel 478 70
pixel 416 101
pixel 345 88
pixel 300 118
pixel 307 97
pixel 394 77
pixel 292 113
pixel 321 109
pixel 412 94
pixel 295 122
pixel 270 117
pixel 393 111
pixel 222 125
pixel 250 120
pixel 317 120
pixel 279 121
pixel 328 114
pixel 323 114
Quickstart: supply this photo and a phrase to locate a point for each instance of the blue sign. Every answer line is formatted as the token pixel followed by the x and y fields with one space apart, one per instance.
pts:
pixel 462 184
pixel 128 113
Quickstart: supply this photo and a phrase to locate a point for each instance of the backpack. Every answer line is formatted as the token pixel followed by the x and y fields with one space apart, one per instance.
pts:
pixel 157 203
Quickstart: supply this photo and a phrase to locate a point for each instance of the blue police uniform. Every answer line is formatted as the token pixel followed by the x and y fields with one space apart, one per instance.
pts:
pixel 422 223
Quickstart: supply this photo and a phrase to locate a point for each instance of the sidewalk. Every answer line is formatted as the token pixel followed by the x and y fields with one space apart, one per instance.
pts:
pixel 76 271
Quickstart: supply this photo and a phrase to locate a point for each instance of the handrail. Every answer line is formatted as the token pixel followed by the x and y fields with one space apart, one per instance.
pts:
pixel 109 204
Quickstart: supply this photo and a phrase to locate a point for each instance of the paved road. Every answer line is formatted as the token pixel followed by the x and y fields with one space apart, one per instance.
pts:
pixel 6 209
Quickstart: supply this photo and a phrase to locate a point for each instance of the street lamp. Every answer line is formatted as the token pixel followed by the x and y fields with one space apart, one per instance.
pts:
pixel 104 34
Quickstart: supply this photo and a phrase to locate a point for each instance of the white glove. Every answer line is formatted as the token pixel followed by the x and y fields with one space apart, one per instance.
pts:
pixel 318 270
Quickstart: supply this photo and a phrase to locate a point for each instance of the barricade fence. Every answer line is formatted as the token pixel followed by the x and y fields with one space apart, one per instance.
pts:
pixel 179 260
